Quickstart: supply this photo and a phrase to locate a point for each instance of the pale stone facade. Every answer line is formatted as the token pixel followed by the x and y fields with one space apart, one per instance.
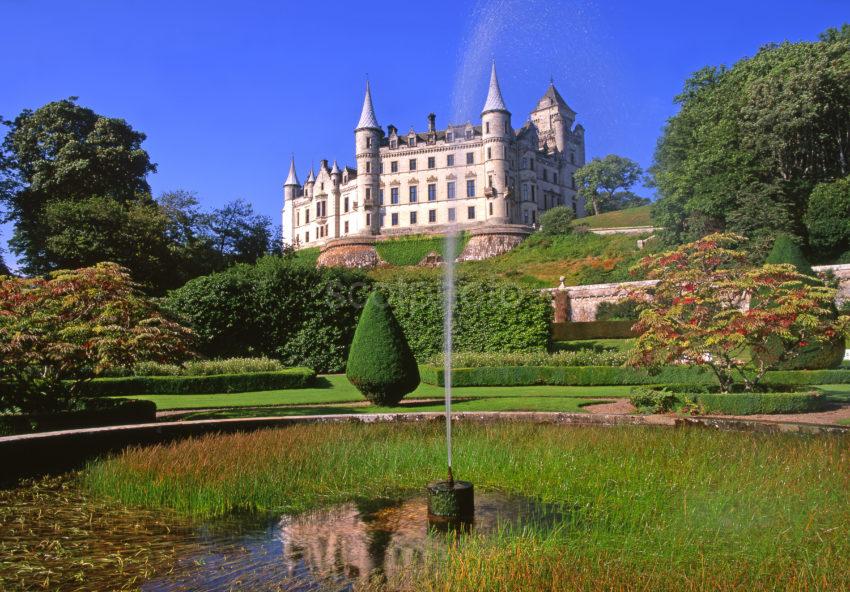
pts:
pixel 463 176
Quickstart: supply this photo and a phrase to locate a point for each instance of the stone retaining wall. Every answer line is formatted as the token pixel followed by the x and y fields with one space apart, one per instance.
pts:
pixel 490 241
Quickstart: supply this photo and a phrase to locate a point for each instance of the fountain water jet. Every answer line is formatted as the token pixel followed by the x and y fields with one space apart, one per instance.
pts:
pixel 450 502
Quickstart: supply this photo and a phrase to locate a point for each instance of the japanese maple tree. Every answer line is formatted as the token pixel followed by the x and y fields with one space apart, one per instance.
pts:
pixel 74 325
pixel 711 308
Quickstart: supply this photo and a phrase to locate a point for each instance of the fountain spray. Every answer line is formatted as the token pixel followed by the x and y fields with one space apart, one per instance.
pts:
pixel 448 303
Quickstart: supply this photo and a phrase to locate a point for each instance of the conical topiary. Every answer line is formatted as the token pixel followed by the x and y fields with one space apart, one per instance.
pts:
pixel 785 250
pixel 380 362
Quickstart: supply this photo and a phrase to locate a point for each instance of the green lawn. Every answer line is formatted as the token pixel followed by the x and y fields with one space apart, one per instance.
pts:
pixel 337 389
pixel 620 219
pixel 595 344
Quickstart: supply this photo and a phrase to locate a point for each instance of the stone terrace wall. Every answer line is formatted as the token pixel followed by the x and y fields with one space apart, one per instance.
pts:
pixel 578 304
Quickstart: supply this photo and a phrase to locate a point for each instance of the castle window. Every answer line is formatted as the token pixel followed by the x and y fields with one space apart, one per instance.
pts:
pixel 368 193
pixel 489 153
pixel 506 127
pixel 572 157
pixel 555 178
pixel 432 216
pixel 524 162
pixel 450 160
pixel 380 197
pixel 412 140
pixel 413 196
pixel 394 166
pixel 470 213
pixel 383 220
pixel 432 162
pixel 322 186
pixel 533 192
pixel 490 181
pixel 393 195
pixel 574 182
pixel 394 219
pixel 393 143
pixel 531 164
pixel 412 164
pixel 307 237
pixel 368 219
pixel 451 214
pixel 525 192
pixel 345 227
pixel 545 174
pixel 368 167
pixel 449 136
pixel 469 134
pixel 470 158
pixel 470 188
pixel 306 216
pixel 432 191
pixel 450 190
pixel 412 218
pixel 487 127
pixel 491 208
pixel 368 142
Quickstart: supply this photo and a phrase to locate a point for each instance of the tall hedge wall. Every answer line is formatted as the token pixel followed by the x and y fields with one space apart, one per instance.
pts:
pixel 279 308
pixel 488 316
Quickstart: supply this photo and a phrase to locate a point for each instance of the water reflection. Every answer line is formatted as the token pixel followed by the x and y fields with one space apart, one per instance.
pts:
pixel 328 549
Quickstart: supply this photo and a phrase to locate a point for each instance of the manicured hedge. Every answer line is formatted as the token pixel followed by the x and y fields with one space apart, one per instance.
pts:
pixel 752 403
pixel 94 412
pixel 489 316
pixel 290 378
pixel 566 376
pixel 592 330
pixel 606 376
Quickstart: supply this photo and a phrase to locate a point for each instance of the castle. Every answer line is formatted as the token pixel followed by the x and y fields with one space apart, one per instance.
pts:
pixel 465 176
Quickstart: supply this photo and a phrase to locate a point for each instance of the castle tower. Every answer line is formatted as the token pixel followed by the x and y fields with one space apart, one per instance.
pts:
pixel 333 201
pixel 554 118
pixel 367 141
pixel 291 189
pixel 496 134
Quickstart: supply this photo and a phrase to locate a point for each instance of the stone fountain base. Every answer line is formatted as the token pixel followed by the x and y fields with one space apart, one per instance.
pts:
pixel 450 504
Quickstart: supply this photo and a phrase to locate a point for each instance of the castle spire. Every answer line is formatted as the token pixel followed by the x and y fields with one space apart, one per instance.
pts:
pixel 367 115
pixel 335 169
pixel 292 177
pixel 494 100
pixel 311 178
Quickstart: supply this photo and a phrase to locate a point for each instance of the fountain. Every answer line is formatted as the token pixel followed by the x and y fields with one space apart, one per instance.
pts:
pixel 451 503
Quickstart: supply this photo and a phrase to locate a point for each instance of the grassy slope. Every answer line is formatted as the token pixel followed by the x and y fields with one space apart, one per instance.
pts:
pixel 639 216
pixel 410 250
pixel 651 509
pixel 337 389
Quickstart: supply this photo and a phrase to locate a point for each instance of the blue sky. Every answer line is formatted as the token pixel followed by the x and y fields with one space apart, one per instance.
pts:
pixel 225 91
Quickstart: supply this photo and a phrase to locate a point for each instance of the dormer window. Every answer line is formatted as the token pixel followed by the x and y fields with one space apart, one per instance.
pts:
pixel 411 140
pixel 449 136
pixel 469 134
pixel 393 143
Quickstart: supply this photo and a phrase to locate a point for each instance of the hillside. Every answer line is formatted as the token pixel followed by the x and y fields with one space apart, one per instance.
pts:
pixel 639 216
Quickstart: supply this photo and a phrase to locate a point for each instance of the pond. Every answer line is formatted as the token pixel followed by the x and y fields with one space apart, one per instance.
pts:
pixel 74 545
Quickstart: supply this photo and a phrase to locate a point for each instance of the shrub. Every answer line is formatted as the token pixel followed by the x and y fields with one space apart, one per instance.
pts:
pixel 280 308
pixel 655 400
pixel 786 250
pixel 489 316
pixel 753 403
pixel 557 220
pixel 568 376
pixel 828 216
pixel 185 385
pixel 581 357
pixel 592 330
pixel 622 310
pixel 380 363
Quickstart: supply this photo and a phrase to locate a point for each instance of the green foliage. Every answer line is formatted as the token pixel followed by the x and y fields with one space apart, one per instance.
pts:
pixel 694 314
pixel 489 316
pixel 581 357
pixel 605 183
pixel 749 143
pixel 410 250
pixel 380 363
pixel 72 326
pixel 828 217
pixel 207 367
pixel 280 308
pixel 290 378
pixel 622 310
pixel 655 400
pixel 753 403
pixel 569 376
pixel 84 414
pixel 556 221
pixel 816 356
pixel 592 330
pixel 786 250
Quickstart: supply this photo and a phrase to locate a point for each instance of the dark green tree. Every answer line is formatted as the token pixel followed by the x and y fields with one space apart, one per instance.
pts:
pixel 237 234
pixel 606 182
pixel 62 151
pixel 380 362
pixel 828 217
pixel 785 250
pixel 750 142
pixel 556 221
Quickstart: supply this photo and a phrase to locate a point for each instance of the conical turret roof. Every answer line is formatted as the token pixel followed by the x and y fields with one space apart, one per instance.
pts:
pixel 335 169
pixel 311 178
pixel 367 115
pixel 292 177
pixel 494 101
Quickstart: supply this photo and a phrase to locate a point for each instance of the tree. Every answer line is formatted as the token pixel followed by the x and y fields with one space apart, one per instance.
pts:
pixel 750 143
pixel 239 235
pixel 828 217
pixel 604 181
pixel 556 221
pixel 62 151
pixel 785 250
pixel 75 325
pixel 710 308
pixel 380 362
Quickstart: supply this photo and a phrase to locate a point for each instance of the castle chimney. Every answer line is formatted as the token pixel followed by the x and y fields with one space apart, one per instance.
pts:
pixel 432 121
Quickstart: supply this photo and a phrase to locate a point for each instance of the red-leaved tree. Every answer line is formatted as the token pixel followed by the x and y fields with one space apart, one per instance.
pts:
pixel 711 308
pixel 74 325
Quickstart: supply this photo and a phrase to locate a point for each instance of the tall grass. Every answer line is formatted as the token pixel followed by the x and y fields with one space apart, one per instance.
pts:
pixel 653 509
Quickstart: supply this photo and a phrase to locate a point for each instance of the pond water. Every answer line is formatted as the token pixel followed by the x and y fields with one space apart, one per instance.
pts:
pixel 53 537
